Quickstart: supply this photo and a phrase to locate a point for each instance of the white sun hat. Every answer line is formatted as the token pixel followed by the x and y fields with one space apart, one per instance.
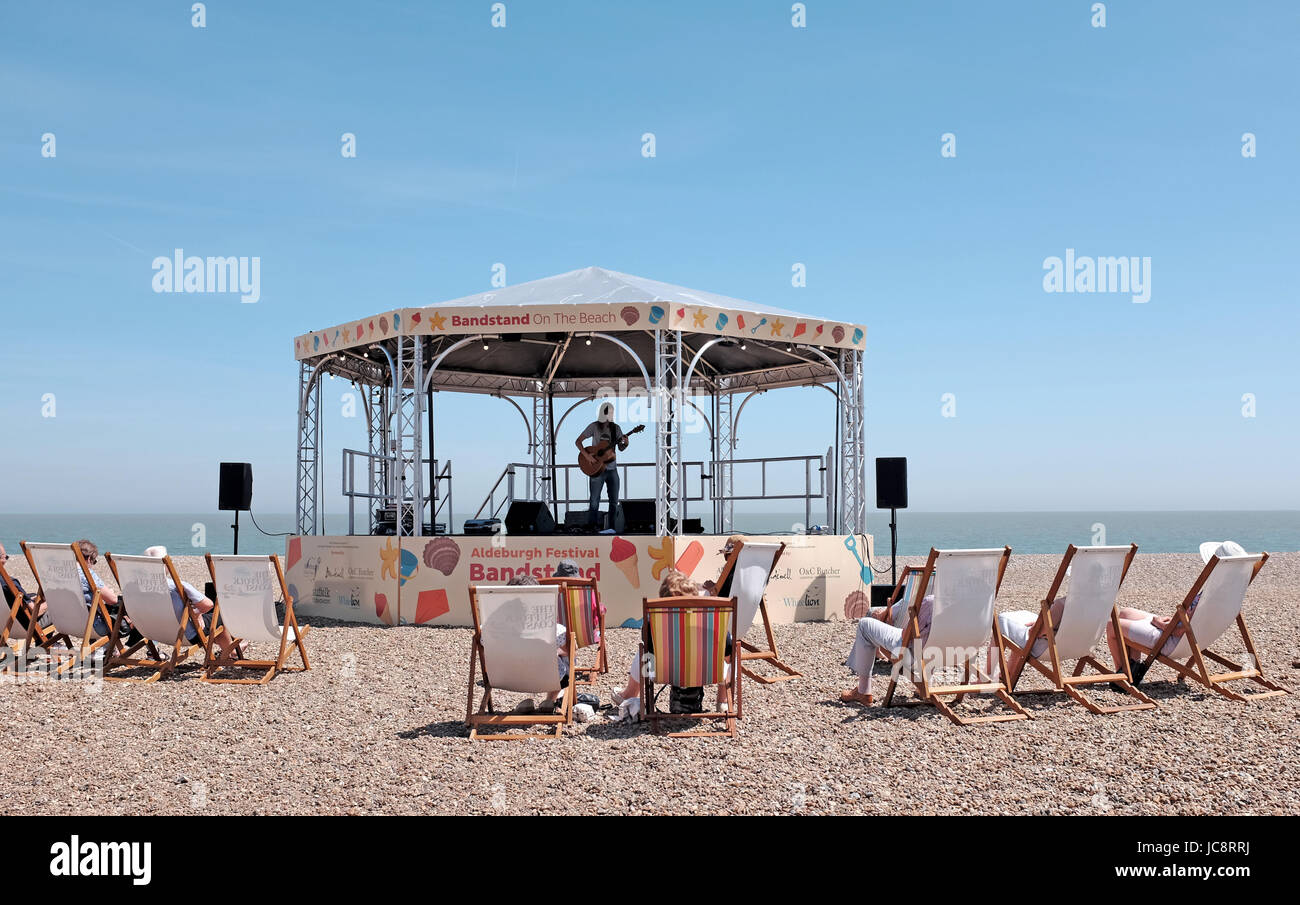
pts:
pixel 157 552
pixel 1221 549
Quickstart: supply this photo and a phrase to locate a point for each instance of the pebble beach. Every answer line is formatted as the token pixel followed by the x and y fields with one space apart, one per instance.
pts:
pixel 376 727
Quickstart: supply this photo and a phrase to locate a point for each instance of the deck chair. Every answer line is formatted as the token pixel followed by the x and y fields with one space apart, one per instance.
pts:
pixel 965 588
pixel 744 575
pixel 147 600
pixel 245 608
pixel 1222 586
pixel 686 637
pixel 20 622
pixel 583 617
pixel 58 569
pixel 1096 574
pixel 514 647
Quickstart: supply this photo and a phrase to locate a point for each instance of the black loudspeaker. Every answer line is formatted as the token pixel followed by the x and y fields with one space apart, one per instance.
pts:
pixel 236 489
pixel 529 517
pixel 638 516
pixel 891 483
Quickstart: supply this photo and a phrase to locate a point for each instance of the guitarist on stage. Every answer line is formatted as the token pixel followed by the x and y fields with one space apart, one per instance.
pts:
pixel 603 431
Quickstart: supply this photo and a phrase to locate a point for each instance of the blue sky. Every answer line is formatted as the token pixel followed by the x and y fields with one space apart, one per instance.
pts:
pixel 775 145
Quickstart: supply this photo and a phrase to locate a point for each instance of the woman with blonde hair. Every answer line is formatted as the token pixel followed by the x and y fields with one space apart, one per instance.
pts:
pixel 628 700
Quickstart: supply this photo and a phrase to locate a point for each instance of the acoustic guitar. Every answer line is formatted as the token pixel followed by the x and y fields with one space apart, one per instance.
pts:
pixel 593 459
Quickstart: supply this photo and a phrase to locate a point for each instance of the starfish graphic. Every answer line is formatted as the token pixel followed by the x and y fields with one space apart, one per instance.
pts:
pixel 388 556
pixel 700 317
pixel 437 322
pixel 777 327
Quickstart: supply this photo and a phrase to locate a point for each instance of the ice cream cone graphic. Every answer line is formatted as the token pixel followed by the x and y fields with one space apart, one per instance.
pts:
pixel 623 554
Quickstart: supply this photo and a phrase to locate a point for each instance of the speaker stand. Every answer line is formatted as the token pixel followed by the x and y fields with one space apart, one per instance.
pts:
pixel 236 527
pixel 893 547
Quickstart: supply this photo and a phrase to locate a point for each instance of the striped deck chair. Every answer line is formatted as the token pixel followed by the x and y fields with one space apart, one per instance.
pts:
pixel 582 615
pixel 686 639
pixel 965 589
pixel 147 601
pixel 1096 574
pixel 1222 586
pixel 58 569
pixel 514 647
pixel 20 623
pixel 245 608
pixel 745 575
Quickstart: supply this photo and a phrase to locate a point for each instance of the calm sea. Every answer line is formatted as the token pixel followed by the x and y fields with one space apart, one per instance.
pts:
pixel 1026 532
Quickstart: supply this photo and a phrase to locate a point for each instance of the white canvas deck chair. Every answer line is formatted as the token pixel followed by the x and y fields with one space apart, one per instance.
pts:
pixel 58 569
pixel 20 622
pixel 582 615
pixel 147 602
pixel 1222 585
pixel 744 576
pixel 1096 574
pixel 245 608
pixel 514 646
pixel 965 586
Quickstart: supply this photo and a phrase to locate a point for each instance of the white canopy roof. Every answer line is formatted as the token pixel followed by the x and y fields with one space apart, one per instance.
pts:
pixel 592 285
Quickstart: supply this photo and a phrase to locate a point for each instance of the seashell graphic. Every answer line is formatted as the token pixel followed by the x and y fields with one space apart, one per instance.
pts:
pixel 383 325
pixel 838 333
pixel 442 553
pixel 630 315
pixel 721 322
pixel 857 605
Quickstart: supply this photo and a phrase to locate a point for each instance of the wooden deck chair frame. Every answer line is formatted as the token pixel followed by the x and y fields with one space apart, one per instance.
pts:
pixel 87 648
pixel 1195 668
pixel 181 648
pixel 269 667
pixel 934 694
pixel 908 572
pixel 583 675
pixel 1050 666
pixel 486 715
pixel 44 637
pixel 749 651
pixel 649 712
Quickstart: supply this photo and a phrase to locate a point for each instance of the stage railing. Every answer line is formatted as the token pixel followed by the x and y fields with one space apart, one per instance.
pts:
pixel 815 485
pixel 352 493
pixel 493 507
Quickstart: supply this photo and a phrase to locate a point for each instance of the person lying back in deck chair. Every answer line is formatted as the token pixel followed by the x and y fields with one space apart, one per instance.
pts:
pixel 202 605
pixel 42 618
pixel 547 704
pixel 1146 628
pixel 90 553
pixel 880 631
pixel 628 700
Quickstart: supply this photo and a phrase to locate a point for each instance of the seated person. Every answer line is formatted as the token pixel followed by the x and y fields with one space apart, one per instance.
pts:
pixel 877 632
pixel 568 568
pixel 1146 628
pixel 547 705
pixel 674 584
pixel 202 606
pixel 710 587
pixel 90 553
pixel 1015 627
pixel 42 618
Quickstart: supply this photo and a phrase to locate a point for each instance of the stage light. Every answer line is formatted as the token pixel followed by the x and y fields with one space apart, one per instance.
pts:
pixel 742 346
pixel 485 345
pixel 588 340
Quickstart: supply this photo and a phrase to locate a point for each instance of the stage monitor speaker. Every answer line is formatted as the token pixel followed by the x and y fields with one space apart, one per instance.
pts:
pixel 529 517
pixel 236 488
pixel 638 516
pixel 891 483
